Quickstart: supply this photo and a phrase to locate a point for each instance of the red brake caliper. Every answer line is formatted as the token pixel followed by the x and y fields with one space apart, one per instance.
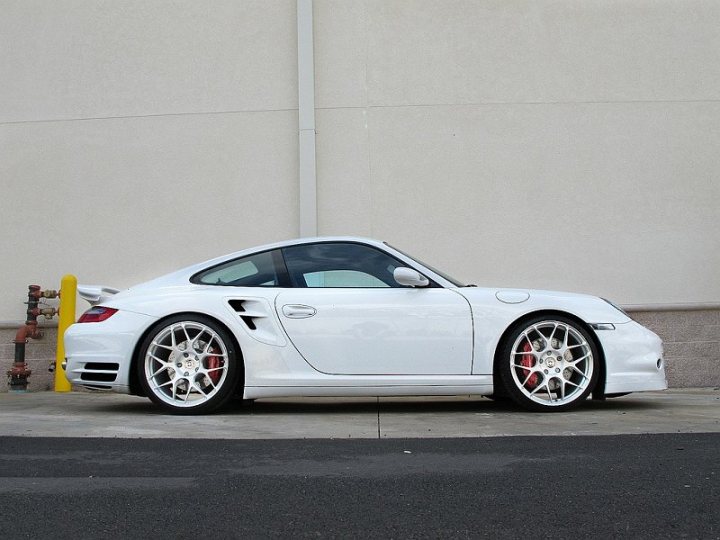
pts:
pixel 213 362
pixel 528 360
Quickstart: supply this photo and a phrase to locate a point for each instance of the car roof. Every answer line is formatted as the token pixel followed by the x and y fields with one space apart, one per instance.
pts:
pixel 293 242
pixel 183 274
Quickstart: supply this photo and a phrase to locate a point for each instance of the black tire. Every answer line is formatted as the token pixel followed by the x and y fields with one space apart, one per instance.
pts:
pixel 192 357
pixel 549 363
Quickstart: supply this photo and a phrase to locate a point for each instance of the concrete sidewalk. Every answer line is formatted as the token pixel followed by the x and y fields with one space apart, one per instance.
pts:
pixel 48 414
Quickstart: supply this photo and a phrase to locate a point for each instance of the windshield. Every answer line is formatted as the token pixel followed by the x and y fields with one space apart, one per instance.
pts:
pixel 431 268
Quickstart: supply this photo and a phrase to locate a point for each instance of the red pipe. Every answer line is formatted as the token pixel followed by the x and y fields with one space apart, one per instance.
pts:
pixel 18 375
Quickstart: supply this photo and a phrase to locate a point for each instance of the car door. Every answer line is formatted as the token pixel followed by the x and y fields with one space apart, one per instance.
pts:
pixel 346 315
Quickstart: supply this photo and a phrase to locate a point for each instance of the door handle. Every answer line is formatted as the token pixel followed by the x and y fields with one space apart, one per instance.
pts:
pixel 298 311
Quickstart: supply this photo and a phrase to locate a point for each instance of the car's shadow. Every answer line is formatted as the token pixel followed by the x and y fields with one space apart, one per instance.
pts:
pixel 481 405
pixel 373 406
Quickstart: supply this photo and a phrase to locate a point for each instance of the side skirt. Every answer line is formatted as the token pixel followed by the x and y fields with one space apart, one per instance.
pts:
pixel 255 392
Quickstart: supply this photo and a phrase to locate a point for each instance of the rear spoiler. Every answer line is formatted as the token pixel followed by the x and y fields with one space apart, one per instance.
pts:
pixel 96 294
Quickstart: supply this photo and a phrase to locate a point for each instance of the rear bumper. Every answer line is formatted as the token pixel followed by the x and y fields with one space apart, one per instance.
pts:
pixel 99 355
pixel 634 359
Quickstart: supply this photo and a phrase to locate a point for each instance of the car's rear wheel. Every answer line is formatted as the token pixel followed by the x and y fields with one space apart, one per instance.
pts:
pixel 549 364
pixel 189 364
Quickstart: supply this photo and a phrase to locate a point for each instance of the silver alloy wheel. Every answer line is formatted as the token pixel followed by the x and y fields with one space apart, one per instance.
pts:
pixel 186 364
pixel 552 363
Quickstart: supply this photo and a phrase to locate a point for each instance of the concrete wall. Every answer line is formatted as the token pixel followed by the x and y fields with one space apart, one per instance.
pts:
pixel 690 339
pixel 537 143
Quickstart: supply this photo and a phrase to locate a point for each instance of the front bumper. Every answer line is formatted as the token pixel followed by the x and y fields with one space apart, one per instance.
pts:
pixel 633 358
pixel 99 355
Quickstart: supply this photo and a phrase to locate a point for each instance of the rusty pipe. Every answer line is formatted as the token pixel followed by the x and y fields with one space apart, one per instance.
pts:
pixel 36 293
pixel 18 375
pixel 48 313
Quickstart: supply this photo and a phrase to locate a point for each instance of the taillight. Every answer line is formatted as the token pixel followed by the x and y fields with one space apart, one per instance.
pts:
pixel 97 314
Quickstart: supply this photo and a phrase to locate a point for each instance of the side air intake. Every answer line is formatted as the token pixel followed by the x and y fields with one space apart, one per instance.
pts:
pixel 239 307
pixel 257 316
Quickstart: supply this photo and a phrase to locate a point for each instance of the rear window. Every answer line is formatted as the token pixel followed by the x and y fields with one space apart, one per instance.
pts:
pixel 257 270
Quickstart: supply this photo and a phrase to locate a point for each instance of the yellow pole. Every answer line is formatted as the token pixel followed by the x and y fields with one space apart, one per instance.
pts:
pixel 68 292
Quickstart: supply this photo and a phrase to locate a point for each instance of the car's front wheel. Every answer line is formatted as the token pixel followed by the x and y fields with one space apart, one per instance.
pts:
pixel 188 364
pixel 549 364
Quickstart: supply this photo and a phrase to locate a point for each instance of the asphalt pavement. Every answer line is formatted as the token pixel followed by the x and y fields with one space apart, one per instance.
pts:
pixel 83 465
pixel 627 486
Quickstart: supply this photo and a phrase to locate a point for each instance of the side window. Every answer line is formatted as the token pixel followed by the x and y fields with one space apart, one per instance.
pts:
pixel 259 270
pixel 342 278
pixel 339 265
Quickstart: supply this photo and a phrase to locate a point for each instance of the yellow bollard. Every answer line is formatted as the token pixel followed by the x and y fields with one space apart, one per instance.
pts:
pixel 68 292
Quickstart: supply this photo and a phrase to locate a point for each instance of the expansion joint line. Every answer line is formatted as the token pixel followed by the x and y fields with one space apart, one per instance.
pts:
pixel 378 417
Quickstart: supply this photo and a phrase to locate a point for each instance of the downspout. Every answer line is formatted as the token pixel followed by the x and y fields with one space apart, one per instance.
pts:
pixel 306 115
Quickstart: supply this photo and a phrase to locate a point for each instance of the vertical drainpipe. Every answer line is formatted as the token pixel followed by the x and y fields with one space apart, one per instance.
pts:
pixel 306 114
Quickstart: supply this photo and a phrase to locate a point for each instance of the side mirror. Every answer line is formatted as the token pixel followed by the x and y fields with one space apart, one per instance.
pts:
pixel 408 277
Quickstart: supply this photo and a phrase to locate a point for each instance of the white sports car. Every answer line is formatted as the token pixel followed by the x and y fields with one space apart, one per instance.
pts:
pixel 352 317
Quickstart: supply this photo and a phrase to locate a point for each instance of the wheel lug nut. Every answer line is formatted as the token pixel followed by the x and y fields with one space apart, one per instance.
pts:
pixel 186 355
pixel 186 374
pixel 546 372
pixel 557 370
pixel 179 364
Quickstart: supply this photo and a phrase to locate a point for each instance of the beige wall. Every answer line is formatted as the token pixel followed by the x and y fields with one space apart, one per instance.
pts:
pixel 137 137
pixel 567 145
